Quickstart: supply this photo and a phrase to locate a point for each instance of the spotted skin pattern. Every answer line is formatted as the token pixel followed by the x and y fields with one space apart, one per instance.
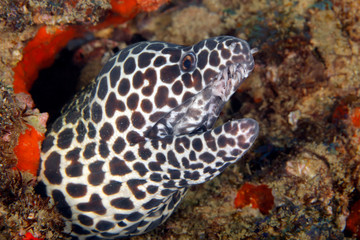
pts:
pixel 124 152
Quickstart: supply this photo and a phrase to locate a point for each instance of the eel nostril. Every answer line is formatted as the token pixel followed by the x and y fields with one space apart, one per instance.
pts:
pixel 254 50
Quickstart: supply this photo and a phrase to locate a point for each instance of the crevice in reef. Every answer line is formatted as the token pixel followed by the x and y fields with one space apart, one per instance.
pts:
pixel 56 85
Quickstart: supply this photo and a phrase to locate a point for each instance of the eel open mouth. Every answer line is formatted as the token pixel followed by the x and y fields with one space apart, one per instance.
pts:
pixel 199 113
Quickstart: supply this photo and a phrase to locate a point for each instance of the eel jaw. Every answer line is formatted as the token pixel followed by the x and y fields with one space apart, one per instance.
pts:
pixel 199 113
pixel 229 80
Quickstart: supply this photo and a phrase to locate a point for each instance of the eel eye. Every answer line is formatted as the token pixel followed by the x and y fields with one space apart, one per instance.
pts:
pixel 188 62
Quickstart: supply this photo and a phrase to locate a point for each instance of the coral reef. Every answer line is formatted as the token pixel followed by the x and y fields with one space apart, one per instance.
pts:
pixel 303 92
pixel 24 212
pixel 16 15
pixel 177 28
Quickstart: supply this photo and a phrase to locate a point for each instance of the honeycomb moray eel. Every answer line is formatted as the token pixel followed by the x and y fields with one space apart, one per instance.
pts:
pixel 125 150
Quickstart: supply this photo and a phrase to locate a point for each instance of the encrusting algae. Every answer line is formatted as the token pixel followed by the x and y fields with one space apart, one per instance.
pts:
pixel 303 92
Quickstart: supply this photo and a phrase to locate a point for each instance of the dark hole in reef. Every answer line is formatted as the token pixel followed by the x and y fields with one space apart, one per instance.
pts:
pixel 55 85
pixel 353 198
pixel 135 38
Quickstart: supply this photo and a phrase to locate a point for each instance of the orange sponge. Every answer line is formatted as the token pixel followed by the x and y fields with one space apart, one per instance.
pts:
pixel 259 197
pixel 40 53
pixel 27 150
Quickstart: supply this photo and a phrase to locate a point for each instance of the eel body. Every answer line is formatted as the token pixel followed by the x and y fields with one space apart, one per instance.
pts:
pixel 125 150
